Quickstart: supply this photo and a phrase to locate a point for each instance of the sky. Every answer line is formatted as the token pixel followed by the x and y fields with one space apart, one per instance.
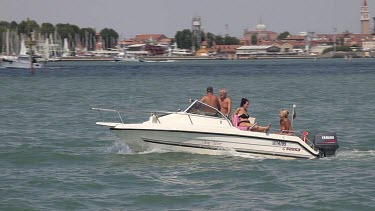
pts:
pixel 220 17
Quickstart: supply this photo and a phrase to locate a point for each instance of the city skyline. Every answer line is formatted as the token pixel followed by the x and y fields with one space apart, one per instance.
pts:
pixel 129 18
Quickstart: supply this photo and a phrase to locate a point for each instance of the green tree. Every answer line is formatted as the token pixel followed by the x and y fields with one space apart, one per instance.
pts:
pixel 231 40
pixel 219 40
pixel 87 36
pixel 4 24
pixel 47 28
pixel 13 26
pixel 254 39
pixel 283 35
pixel 28 26
pixel 67 30
pixel 109 37
pixel 210 39
pixel 184 39
pixel 178 37
pixel 71 32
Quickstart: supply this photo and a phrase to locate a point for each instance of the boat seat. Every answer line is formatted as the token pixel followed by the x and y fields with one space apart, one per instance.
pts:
pixel 235 120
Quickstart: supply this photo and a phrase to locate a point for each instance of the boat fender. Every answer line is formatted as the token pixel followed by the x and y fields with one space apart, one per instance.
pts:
pixel 304 136
pixel 153 119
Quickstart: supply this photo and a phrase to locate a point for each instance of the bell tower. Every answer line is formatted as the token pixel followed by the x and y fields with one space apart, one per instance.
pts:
pixel 365 19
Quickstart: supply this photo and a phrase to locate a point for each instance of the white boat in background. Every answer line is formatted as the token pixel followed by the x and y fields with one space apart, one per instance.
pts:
pixel 125 57
pixel 22 62
pixel 175 51
pixel 8 58
pixel 205 130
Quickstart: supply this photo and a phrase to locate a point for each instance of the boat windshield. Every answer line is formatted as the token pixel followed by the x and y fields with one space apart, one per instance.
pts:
pixel 200 108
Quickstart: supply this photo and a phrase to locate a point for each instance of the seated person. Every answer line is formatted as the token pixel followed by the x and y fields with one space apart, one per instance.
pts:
pixel 285 125
pixel 225 103
pixel 244 118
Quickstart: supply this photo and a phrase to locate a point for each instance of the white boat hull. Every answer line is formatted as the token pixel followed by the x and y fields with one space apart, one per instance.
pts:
pixel 205 130
pixel 213 143
pixel 20 65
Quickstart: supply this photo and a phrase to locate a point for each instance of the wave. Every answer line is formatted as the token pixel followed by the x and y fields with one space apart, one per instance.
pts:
pixel 119 147
pixel 355 154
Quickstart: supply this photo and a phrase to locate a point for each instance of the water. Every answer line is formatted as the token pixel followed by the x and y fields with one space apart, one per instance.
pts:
pixel 54 157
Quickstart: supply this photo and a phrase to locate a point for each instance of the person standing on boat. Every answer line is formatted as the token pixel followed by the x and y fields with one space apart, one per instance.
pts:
pixel 243 117
pixel 211 100
pixel 225 103
pixel 285 124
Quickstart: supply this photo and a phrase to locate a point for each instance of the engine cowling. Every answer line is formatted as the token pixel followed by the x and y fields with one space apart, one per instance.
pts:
pixel 326 143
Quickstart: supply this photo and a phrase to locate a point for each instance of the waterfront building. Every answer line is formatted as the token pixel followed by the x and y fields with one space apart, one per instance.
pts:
pixel 368 45
pixel 285 47
pixel 145 38
pixel 365 18
pixel 298 38
pixel 228 50
pixel 261 33
pixel 146 44
pixel 203 51
pixel 250 51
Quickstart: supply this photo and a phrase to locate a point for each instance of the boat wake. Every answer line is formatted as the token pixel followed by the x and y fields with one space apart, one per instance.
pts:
pixel 355 154
pixel 118 147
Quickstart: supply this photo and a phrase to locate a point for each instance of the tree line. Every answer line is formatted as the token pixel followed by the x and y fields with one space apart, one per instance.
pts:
pixel 59 32
pixel 186 39
pixel 87 36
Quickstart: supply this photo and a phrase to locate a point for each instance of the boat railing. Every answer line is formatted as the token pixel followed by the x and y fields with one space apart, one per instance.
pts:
pixel 179 112
pixel 155 114
pixel 301 135
pixel 100 111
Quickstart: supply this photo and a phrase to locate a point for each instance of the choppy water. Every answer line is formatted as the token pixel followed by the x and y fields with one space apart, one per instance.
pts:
pixel 54 157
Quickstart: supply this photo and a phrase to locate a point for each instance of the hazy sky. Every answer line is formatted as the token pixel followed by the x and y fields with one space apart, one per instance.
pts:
pixel 131 17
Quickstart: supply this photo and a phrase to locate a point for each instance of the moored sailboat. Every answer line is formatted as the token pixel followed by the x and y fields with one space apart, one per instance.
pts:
pixel 22 61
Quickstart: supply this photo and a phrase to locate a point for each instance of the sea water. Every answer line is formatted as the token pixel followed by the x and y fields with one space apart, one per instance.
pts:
pixel 54 157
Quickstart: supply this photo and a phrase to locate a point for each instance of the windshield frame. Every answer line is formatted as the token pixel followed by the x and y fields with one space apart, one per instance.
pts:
pixel 198 110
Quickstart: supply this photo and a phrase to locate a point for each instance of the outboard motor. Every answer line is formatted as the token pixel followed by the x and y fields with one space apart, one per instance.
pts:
pixel 326 143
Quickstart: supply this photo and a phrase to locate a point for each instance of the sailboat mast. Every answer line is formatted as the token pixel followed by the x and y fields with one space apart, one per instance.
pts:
pixel 7 43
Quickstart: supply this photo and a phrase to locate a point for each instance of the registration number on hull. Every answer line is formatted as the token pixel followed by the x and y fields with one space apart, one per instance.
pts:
pixel 279 143
pixel 211 143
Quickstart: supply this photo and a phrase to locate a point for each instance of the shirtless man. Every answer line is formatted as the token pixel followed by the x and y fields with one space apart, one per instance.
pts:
pixel 225 103
pixel 211 99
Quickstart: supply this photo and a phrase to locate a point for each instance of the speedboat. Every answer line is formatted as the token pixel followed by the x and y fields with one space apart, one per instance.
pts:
pixel 21 62
pixel 203 129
